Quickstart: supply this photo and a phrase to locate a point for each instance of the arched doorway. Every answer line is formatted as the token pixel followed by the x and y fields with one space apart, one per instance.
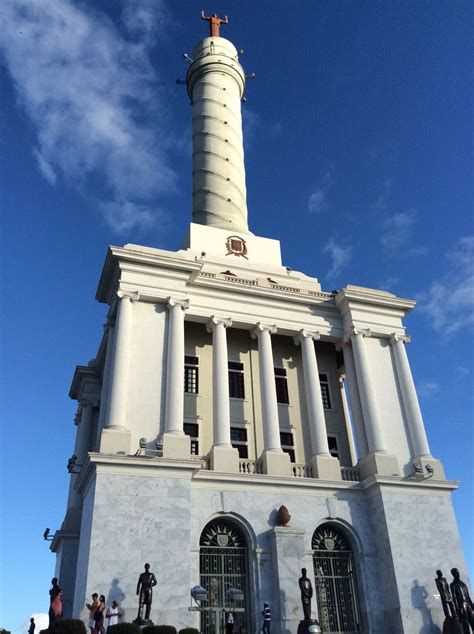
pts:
pixel 223 564
pixel 336 583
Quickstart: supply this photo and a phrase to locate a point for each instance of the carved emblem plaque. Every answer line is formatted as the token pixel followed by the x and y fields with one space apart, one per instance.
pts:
pixel 236 245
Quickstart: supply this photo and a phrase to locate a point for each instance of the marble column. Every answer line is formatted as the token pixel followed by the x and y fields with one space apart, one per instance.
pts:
pixel 323 464
pixel 355 406
pixel 175 443
pixel 223 457
pixel 274 460
pixel 379 460
pixel 105 390
pixel 82 446
pixel 116 436
pixel 411 406
pixel 347 418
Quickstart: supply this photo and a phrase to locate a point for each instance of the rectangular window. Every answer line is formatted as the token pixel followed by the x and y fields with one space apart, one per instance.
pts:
pixel 236 380
pixel 333 448
pixel 192 430
pixel 281 386
pixel 286 440
pixel 324 383
pixel 238 438
pixel 191 375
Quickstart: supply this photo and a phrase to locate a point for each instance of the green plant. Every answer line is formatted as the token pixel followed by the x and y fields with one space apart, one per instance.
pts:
pixel 189 630
pixel 159 629
pixel 124 628
pixel 69 626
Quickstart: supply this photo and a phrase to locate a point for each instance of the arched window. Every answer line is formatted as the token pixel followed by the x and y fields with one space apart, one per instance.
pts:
pixel 223 564
pixel 335 578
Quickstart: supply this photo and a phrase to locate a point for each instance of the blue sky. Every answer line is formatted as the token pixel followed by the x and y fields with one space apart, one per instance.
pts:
pixel 359 159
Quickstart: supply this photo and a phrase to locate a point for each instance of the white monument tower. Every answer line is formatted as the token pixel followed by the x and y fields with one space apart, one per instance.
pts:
pixel 226 386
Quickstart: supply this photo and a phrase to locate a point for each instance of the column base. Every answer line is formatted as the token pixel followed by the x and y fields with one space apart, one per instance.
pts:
pixel 224 459
pixel 115 440
pixel 176 446
pixel 326 468
pixel 436 465
pixel 384 464
pixel 276 463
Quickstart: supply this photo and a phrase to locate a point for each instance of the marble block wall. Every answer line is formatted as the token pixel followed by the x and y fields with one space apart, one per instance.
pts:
pixel 399 534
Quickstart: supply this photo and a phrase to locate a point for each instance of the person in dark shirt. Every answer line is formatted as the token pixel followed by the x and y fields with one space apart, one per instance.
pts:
pixel 31 629
pixel 267 618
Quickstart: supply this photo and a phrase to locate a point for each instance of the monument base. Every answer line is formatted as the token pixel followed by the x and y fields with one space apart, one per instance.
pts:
pixel 308 626
pixel 143 622
pixel 452 626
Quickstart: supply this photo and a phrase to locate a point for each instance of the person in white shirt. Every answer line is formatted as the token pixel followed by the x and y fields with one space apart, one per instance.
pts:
pixel 113 614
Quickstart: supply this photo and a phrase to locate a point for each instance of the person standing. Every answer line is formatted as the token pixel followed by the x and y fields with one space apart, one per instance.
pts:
pixel 113 614
pixel 31 629
pixel 92 607
pixel 99 616
pixel 229 623
pixel 267 618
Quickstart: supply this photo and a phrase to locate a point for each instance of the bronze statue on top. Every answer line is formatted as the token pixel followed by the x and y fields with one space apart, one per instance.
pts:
pixel 145 585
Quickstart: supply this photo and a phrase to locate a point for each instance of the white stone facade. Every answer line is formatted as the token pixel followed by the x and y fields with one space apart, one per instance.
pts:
pixel 327 419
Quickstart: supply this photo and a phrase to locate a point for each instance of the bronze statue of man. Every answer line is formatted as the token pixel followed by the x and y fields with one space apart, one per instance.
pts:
pixel 146 582
pixel 445 594
pixel 462 601
pixel 306 594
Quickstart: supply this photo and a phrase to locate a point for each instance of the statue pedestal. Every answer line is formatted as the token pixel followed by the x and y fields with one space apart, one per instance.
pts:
pixel 143 622
pixel 452 626
pixel 308 626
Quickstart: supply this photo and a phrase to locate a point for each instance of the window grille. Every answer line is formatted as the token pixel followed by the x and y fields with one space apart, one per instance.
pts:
pixel 287 444
pixel 191 375
pixel 236 380
pixel 238 438
pixel 223 563
pixel 281 386
pixel 192 430
pixel 324 383
pixel 333 448
pixel 336 583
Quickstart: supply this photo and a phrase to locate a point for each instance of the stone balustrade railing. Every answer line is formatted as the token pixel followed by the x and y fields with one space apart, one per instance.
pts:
pixel 250 466
pixel 301 470
pixel 350 474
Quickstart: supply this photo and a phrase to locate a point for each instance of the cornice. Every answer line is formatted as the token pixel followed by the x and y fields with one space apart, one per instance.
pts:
pixel 118 257
pixel 82 374
pixel 371 297
pixel 407 485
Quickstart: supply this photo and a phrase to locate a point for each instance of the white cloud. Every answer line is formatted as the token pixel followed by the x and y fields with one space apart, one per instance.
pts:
pixel 449 301
pixel 389 283
pixel 41 622
pixel 340 257
pixel 318 199
pixel 428 389
pixel 89 88
pixel 397 234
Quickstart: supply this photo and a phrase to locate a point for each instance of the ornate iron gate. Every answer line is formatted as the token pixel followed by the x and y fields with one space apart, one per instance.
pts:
pixel 336 587
pixel 223 563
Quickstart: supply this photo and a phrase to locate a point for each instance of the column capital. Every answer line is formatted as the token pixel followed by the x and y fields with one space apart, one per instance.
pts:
pixel 259 328
pixel 132 296
pixel 171 302
pixel 354 331
pixel 396 337
pixel 215 321
pixel 84 402
pixel 306 334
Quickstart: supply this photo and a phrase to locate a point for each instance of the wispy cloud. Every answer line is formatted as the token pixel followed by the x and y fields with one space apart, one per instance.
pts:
pixel 389 283
pixel 428 389
pixel 449 301
pixel 318 199
pixel 397 234
pixel 340 257
pixel 89 88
